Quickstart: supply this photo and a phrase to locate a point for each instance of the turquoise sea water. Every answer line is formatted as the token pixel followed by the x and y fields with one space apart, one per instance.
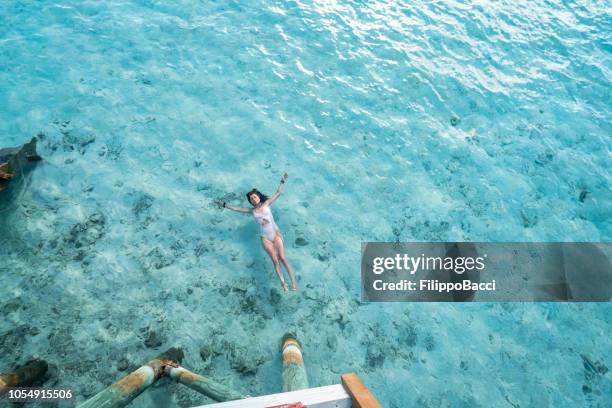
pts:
pixel 395 120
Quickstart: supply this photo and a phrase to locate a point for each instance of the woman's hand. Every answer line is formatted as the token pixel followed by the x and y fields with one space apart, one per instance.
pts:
pixel 283 179
pixel 278 190
pixel 220 203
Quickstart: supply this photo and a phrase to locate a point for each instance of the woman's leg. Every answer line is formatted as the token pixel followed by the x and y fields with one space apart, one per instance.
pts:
pixel 269 247
pixel 280 250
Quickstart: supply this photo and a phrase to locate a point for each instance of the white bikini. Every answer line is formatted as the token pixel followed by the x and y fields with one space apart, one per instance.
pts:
pixel 266 222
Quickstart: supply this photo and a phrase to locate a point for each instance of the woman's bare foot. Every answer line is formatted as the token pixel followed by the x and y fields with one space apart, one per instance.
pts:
pixel 293 285
pixel 285 288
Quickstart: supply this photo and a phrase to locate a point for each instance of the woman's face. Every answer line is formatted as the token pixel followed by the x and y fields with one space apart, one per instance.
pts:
pixel 254 198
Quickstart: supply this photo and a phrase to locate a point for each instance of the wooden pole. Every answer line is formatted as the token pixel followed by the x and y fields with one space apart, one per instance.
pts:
pixel 13 160
pixel 203 385
pixel 129 387
pixel 294 373
pixel 23 376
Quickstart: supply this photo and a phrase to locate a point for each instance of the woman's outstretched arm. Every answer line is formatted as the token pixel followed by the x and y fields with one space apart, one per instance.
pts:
pixel 278 190
pixel 223 204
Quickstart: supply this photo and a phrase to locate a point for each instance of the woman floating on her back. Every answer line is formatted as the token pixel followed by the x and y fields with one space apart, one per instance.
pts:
pixel 271 237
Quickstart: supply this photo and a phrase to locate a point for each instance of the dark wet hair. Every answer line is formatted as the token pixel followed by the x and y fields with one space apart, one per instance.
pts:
pixel 262 197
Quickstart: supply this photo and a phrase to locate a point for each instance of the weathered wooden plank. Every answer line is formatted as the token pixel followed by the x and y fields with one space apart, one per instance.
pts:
pixel 360 394
pixel 331 396
pixel 132 385
pixel 203 385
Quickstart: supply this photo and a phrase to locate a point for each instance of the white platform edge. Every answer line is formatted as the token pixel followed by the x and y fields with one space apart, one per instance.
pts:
pixel 330 396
